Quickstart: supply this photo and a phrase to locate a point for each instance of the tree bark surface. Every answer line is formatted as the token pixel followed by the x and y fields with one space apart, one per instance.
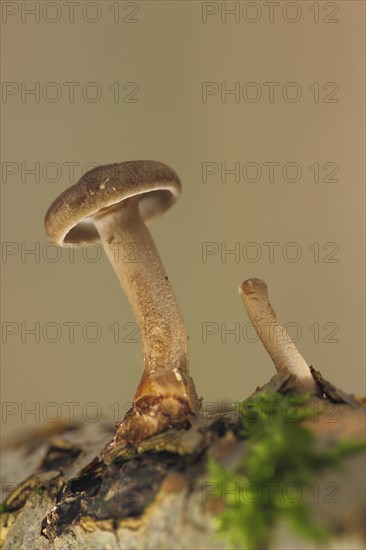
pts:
pixel 61 495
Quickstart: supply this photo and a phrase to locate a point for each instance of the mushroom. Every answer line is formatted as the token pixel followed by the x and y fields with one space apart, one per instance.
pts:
pixel 112 203
pixel 274 336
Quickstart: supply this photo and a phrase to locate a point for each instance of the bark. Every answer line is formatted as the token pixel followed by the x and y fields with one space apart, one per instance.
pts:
pixel 153 497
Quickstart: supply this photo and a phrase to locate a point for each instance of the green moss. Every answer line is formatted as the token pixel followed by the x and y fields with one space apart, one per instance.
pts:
pixel 280 463
pixel 39 491
pixel 3 508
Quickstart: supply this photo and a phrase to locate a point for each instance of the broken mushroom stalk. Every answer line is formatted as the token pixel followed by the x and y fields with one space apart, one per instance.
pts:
pixel 274 337
pixel 112 203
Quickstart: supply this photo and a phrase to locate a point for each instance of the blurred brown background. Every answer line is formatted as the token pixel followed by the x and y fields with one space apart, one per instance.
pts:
pixel 119 81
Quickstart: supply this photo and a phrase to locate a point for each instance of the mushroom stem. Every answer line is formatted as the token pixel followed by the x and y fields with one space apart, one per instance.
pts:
pixel 274 336
pixel 163 335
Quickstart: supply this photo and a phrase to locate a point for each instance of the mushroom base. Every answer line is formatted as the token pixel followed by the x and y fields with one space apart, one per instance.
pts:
pixel 151 416
pixel 161 402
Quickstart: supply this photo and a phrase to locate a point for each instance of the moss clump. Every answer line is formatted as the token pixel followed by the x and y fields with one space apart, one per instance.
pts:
pixel 280 463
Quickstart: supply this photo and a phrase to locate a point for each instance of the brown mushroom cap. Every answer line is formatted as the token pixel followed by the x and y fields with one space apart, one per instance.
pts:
pixel 68 218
